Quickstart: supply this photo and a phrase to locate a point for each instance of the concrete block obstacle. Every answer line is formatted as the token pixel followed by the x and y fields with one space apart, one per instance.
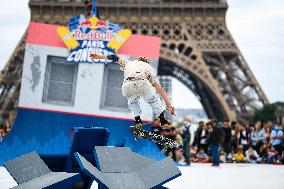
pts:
pixel 29 171
pixel 119 167
pixel 119 159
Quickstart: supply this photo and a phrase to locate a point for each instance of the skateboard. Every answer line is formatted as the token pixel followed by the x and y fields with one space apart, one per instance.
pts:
pixel 159 139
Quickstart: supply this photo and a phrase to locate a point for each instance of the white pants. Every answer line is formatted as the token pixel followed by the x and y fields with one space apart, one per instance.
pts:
pixel 133 90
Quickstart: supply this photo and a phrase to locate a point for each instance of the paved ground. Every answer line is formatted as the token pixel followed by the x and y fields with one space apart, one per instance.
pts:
pixel 203 176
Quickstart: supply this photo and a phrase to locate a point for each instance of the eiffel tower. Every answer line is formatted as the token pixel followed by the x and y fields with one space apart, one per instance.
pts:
pixel 196 48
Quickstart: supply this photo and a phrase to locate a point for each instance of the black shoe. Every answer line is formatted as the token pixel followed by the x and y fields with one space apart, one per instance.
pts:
pixel 138 125
pixel 215 165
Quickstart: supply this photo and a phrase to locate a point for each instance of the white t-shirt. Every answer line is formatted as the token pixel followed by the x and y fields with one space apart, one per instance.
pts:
pixel 244 141
pixel 203 141
pixel 138 69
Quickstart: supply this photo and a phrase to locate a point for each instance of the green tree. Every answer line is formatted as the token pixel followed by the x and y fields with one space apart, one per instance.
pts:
pixel 267 113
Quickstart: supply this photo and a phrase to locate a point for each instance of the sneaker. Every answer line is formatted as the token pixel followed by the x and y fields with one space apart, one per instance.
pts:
pixel 167 125
pixel 138 125
pixel 215 165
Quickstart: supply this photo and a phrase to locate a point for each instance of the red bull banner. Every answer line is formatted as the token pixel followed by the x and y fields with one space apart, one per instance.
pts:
pixel 86 36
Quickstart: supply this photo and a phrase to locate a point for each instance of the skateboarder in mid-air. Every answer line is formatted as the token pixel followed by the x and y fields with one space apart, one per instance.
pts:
pixel 140 82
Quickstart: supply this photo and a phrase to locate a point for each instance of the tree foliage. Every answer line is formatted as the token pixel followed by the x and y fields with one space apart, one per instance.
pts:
pixel 267 113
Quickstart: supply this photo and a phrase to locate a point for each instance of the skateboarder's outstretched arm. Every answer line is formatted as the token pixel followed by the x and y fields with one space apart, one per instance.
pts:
pixel 112 57
pixel 164 95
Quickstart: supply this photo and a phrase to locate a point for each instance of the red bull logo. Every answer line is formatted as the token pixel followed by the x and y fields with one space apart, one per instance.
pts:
pixel 101 24
pixel 87 23
pixel 84 34
pixel 94 35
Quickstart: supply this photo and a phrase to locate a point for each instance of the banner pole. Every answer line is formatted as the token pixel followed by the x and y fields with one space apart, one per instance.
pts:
pixel 94 8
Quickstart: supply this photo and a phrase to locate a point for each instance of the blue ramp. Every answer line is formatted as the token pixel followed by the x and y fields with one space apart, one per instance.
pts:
pixel 84 141
pixel 49 133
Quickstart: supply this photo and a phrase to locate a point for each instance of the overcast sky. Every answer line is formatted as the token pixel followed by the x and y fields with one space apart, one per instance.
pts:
pixel 256 25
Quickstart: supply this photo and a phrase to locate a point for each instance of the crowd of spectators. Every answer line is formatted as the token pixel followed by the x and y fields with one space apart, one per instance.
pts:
pixel 9 89
pixel 226 142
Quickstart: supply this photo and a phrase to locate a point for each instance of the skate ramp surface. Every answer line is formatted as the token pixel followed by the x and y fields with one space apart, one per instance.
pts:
pixel 119 167
pixel 119 159
pixel 29 171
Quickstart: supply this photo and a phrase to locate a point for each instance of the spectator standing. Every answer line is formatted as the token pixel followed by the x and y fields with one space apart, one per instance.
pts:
pixel 234 136
pixel 202 135
pixel 277 138
pixel 251 155
pixel 199 128
pixel 257 137
pixel 188 137
pixel 227 138
pixel 244 138
pixel 248 129
pixel 215 139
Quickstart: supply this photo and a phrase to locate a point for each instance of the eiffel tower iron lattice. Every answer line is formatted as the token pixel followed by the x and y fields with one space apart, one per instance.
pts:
pixel 196 48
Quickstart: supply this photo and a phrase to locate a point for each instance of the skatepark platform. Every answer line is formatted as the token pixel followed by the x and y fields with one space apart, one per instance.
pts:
pixel 48 133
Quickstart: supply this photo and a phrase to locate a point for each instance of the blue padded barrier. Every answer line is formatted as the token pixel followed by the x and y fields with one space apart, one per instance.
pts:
pixel 84 141
pixel 48 133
